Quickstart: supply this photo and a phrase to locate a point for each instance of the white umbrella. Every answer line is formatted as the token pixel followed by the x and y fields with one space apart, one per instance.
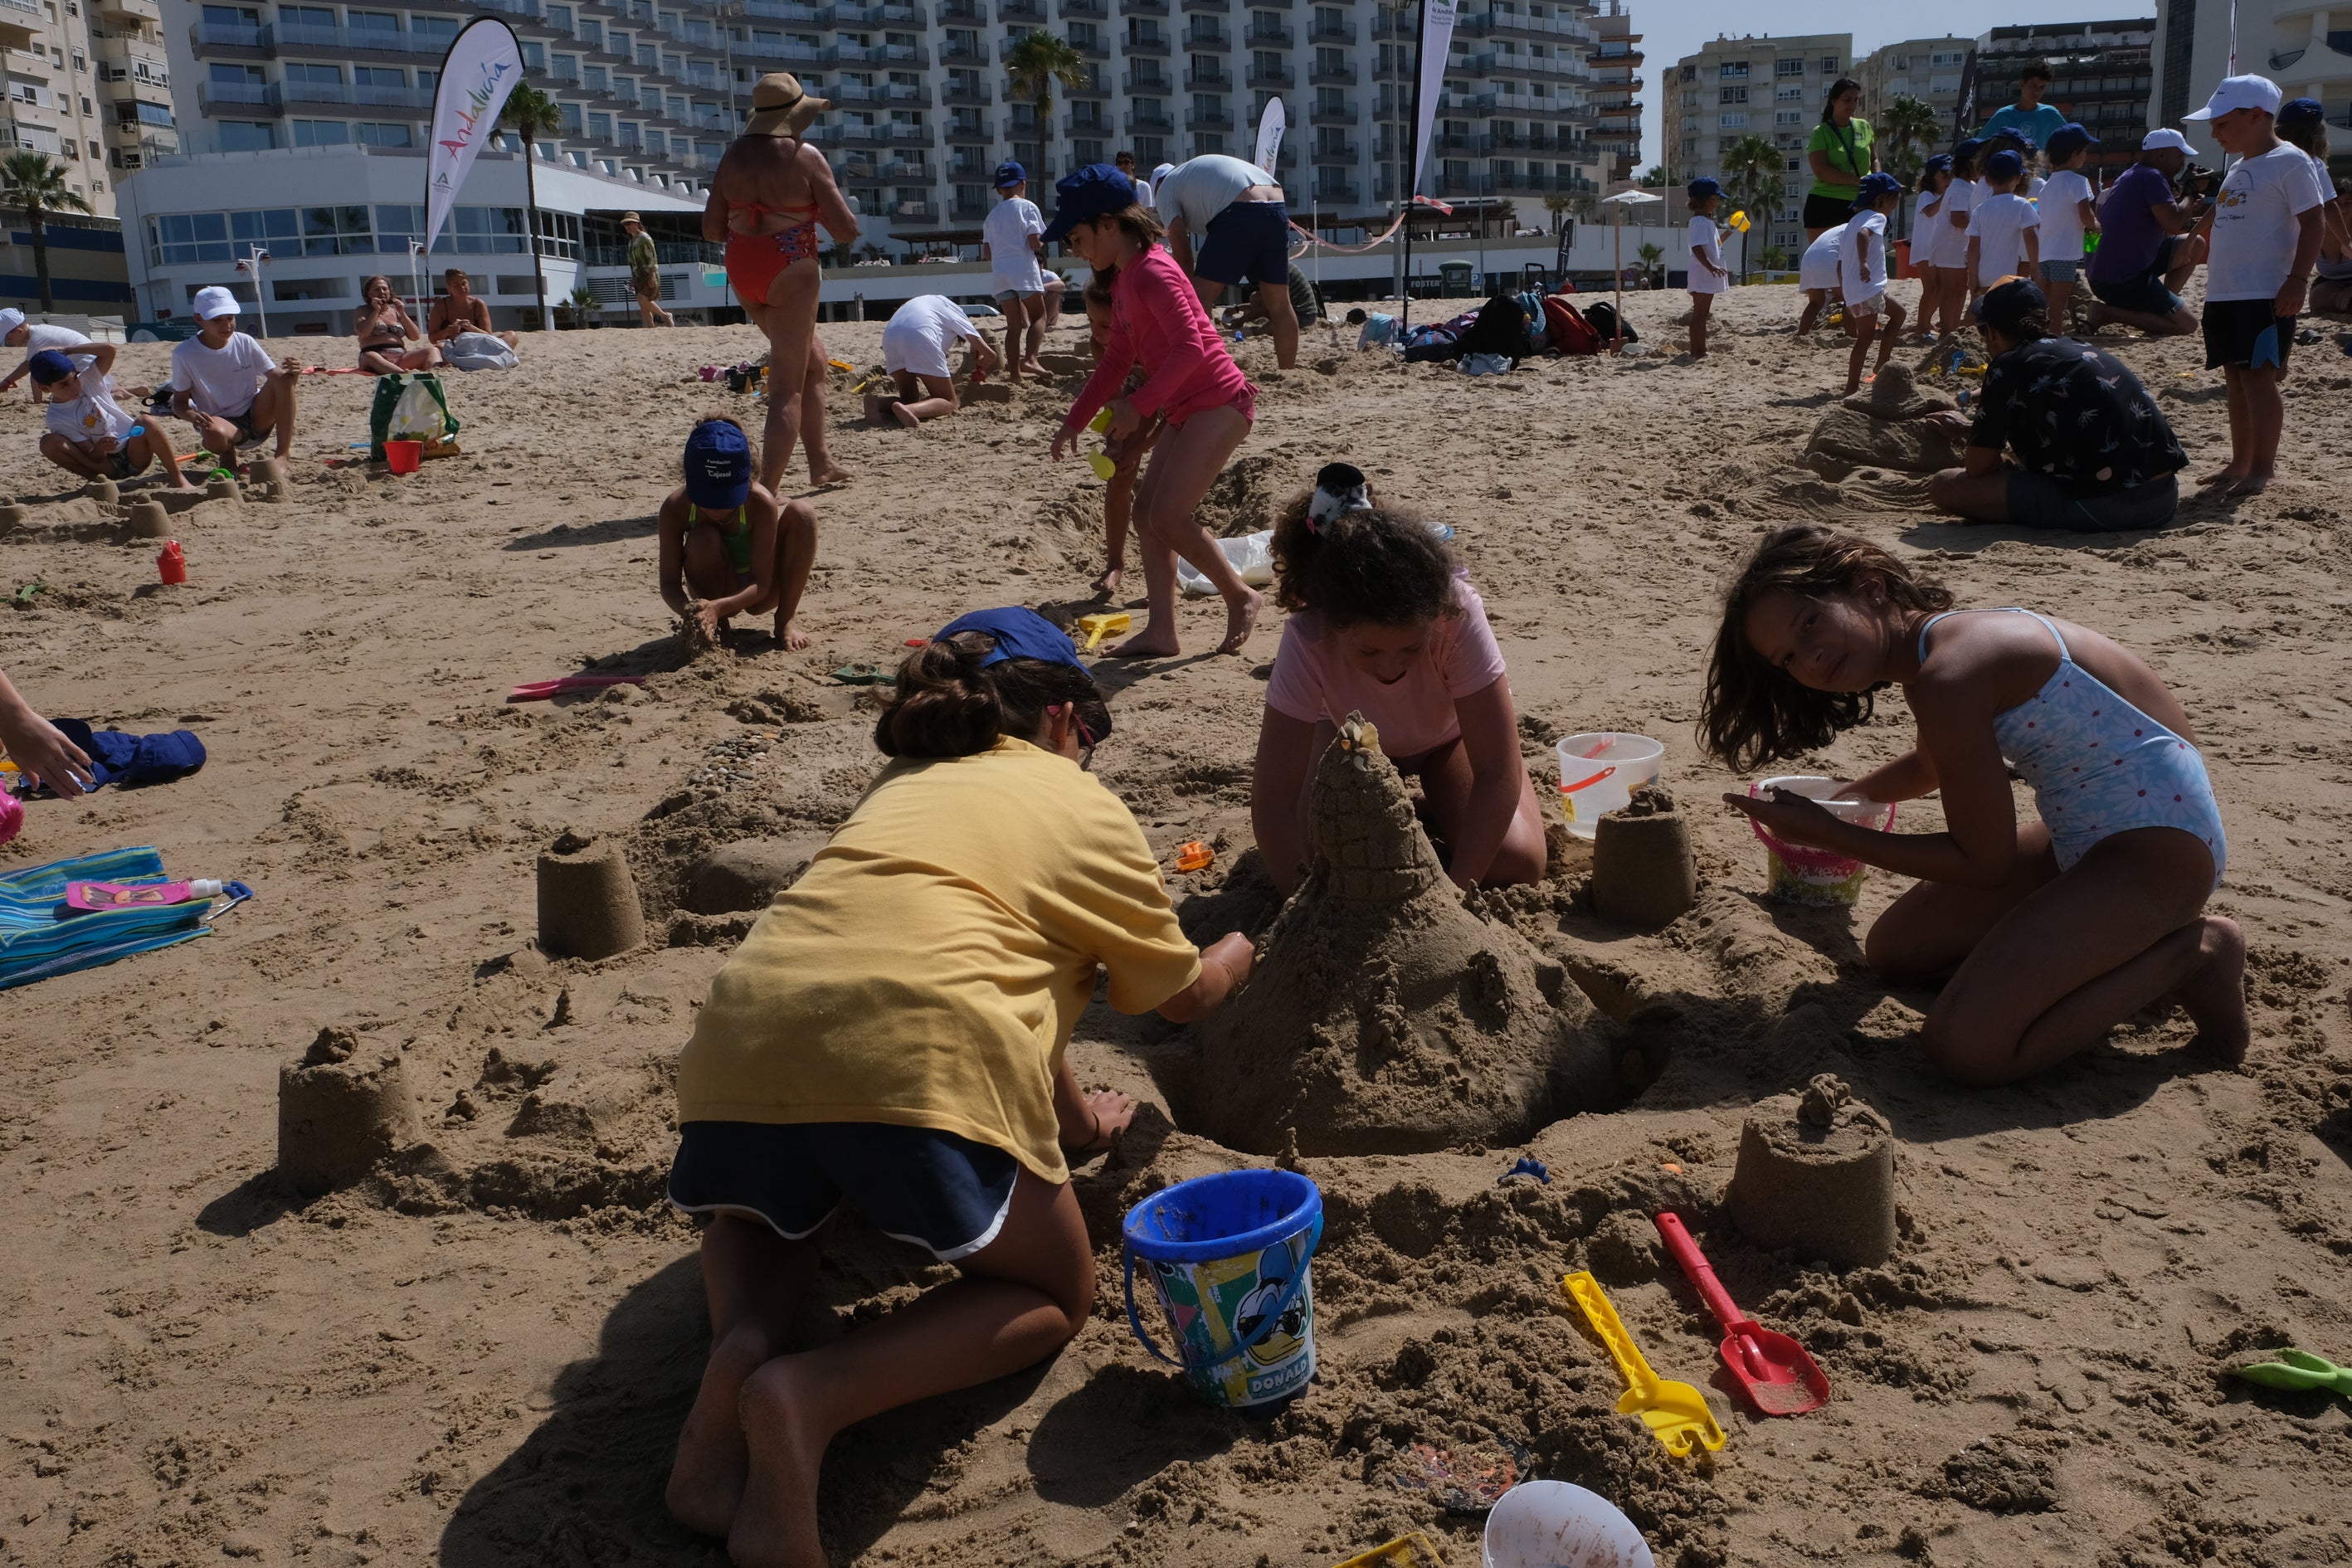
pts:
pixel 1617 251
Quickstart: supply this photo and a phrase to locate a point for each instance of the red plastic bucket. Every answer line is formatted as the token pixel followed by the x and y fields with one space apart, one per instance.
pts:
pixel 405 456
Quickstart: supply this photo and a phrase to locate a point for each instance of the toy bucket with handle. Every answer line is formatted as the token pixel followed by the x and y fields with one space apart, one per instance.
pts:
pixel 1801 875
pixel 1227 1255
pixel 1555 1524
pixel 405 456
pixel 1600 771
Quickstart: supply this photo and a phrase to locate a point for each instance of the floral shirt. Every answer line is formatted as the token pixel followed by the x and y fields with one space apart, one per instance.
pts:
pixel 2076 415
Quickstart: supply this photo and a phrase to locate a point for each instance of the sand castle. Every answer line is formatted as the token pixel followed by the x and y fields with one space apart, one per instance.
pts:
pixel 1883 427
pixel 1384 1015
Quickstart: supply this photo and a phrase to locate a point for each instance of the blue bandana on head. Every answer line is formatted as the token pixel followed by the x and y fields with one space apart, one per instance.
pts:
pixel 1019 634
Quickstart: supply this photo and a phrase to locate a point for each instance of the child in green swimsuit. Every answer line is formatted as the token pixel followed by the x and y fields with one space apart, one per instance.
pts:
pixel 728 546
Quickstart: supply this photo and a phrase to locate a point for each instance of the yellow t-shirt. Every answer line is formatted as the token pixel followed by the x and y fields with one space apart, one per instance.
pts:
pixel 928 967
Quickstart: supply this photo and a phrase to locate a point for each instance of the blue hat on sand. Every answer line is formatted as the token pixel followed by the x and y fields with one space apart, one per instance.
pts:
pixel 1704 186
pixel 1019 634
pixel 2004 165
pixel 49 367
pixel 1008 174
pixel 1970 150
pixel 1096 191
pixel 717 466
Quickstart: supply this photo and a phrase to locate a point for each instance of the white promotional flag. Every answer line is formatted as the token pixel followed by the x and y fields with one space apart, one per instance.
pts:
pixel 482 66
pixel 1436 39
pixel 1270 126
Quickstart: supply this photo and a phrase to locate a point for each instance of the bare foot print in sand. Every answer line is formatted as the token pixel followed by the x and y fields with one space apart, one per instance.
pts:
pixel 706 1479
pixel 1106 585
pixel 2215 997
pixel 775 1525
pixel 789 637
pixel 1240 621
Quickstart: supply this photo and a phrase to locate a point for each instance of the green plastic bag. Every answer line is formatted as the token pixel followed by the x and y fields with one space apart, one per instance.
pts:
pixel 389 390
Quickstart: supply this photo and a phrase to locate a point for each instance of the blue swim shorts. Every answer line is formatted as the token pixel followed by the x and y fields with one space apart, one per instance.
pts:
pixel 945 1194
pixel 1248 242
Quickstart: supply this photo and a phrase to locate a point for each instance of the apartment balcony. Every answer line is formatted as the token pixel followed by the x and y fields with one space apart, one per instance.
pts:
pixel 1091 126
pixel 972 128
pixel 901 173
pixel 776 11
pixel 1340 113
pixel 363 95
pixel 968 212
pixel 916 212
pixel 240 96
pixel 892 15
pixel 1150 124
pixel 1223 7
pixel 1208 36
pixel 902 55
pixel 1337 193
pixel 1209 119
pixel 1333 152
pixel 1326 75
pixel 128 13
pixel 1264 37
pixel 955 52
pixel 1029 13
pixel 1143 8
pixel 1343 32
pixel 1208 82
pixel 979 93
pixel 228 40
pixel 1093 10
pixel 1158 44
pixel 969 12
pixel 1147 83
pixel 1279 77
pixel 1094 47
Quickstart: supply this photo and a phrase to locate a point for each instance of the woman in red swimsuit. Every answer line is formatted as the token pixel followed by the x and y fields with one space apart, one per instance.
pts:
pixel 767 197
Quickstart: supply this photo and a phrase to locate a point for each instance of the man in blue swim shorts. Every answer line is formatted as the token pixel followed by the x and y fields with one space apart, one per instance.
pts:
pixel 1233 214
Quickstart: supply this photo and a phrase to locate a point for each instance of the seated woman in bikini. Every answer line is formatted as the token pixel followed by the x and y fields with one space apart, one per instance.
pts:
pixel 384 327
pixel 768 197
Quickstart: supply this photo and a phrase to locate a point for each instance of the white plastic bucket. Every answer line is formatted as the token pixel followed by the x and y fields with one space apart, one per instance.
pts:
pixel 1555 1524
pixel 1803 875
pixel 1600 771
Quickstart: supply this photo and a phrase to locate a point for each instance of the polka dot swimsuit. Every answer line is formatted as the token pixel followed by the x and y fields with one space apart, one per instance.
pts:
pixel 2098 765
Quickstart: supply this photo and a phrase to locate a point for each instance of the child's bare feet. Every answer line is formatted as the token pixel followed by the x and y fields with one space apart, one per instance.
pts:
pixel 828 473
pixel 1240 619
pixel 2228 476
pixel 903 416
pixel 1151 642
pixel 775 1524
pixel 789 636
pixel 2254 484
pixel 1034 366
pixel 2214 997
pixel 1106 585
pixel 706 1479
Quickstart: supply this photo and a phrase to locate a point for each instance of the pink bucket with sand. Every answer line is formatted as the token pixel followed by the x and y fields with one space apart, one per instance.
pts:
pixel 1800 874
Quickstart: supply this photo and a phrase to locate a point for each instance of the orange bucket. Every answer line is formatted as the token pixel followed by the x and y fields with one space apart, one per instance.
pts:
pixel 405 456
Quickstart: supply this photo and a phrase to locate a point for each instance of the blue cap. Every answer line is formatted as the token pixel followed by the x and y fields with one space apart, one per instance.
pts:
pixel 2297 112
pixel 1704 186
pixel 2068 140
pixel 717 466
pixel 49 367
pixel 1096 191
pixel 1940 164
pixel 1019 634
pixel 1877 184
pixel 1008 174
pixel 2004 165
pixel 1970 150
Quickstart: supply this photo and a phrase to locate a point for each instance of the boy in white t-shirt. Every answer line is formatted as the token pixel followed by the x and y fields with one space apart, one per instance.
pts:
pixel 226 385
pixel 35 336
pixel 1870 310
pixel 1011 238
pixel 2069 209
pixel 2266 234
pixel 1709 276
pixel 2003 237
pixel 89 434
pixel 1817 274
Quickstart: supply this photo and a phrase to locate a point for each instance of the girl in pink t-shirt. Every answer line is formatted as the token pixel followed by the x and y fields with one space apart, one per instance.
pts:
pixel 1386 624
pixel 1189 379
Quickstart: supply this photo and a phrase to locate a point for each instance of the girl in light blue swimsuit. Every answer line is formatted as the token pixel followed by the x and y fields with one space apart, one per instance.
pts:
pixel 2046 933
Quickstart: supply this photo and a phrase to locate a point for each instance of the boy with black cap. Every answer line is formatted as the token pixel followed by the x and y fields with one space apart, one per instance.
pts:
pixel 1707 275
pixel 89 434
pixel 2069 210
pixel 1011 242
pixel 729 543
pixel 2267 230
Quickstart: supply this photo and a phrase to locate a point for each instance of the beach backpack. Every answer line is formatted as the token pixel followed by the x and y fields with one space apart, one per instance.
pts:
pixel 1430 342
pixel 1500 327
pixel 1567 329
pixel 410 406
pixel 1603 316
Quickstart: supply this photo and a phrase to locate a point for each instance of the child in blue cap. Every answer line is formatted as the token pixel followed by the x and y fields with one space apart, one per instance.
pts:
pixel 2004 231
pixel 2069 208
pixel 1011 242
pixel 1709 276
pixel 1870 310
pixel 88 433
pixel 728 546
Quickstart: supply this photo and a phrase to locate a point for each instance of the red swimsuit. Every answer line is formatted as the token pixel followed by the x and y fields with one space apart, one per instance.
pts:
pixel 754 261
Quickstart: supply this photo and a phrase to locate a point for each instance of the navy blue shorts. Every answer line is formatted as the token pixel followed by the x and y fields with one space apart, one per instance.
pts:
pixel 2146 294
pixel 2036 500
pixel 2246 335
pixel 943 1193
pixel 1248 242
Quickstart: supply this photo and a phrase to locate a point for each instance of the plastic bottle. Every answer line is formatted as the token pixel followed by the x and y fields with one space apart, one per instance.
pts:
pixel 171 563
pixel 138 895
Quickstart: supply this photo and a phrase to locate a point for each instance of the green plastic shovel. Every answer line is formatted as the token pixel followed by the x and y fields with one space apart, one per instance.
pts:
pixel 2298 1370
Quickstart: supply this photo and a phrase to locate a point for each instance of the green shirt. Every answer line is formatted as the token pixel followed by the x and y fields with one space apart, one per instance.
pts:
pixel 1849 149
pixel 643 259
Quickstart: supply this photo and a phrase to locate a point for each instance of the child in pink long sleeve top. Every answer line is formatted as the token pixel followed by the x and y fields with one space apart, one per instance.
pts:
pixel 1208 405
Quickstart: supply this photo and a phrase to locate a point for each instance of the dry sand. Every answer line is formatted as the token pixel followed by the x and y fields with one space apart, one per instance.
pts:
pixel 481 1354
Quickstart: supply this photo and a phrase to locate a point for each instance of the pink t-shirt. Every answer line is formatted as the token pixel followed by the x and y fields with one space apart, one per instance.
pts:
pixel 1157 320
pixel 1313 679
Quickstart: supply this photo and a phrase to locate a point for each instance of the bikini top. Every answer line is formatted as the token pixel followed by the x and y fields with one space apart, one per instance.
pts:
pixel 388 332
pixel 735 531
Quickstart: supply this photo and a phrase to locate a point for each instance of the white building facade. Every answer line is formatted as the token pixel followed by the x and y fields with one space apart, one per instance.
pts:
pixel 1761 86
pixel 2307 49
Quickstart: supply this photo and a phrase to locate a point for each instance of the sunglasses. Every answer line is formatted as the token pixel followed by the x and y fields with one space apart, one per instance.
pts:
pixel 1086 741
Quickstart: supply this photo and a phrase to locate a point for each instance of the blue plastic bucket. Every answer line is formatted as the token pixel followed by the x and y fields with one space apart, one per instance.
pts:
pixel 1228 1256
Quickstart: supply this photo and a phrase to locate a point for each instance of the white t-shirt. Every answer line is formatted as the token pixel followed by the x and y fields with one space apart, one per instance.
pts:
pixel 1819 267
pixel 1709 242
pixel 1998 225
pixel 92 415
pixel 2254 222
pixel 1200 190
pixel 2062 215
pixel 1952 240
pixel 223 381
pixel 2033 188
pixel 40 335
pixel 1012 265
pixel 923 332
pixel 1863 278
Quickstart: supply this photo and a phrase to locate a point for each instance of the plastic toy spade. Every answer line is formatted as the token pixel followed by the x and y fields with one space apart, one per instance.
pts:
pixel 1100 627
pixel 2298 1370
pixel 1772 1370
pixel 1675 1412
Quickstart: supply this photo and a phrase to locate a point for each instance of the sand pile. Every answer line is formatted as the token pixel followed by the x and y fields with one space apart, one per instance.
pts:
pixel 1384 1015
pixel 1882 427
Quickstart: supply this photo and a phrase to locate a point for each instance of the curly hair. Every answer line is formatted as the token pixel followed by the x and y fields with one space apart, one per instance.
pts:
pixel 1380 566
pixel 1755 712
pixel 947 703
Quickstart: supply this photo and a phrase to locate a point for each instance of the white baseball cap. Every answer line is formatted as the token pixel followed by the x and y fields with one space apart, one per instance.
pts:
pixel 11 318
pixel 2238 92
pixel 215 301
pixel 2164 138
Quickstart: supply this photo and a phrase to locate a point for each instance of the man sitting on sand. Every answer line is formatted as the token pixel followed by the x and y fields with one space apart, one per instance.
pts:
pixel 89 434
pixel 226 385
pixel 729 543
pixel 2093 451
pixel 34 337
pixel 457 312
pixel 916 344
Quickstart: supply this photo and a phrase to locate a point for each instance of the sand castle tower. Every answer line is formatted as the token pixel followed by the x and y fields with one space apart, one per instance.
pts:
pixel 1883 427
pixel 1385 1017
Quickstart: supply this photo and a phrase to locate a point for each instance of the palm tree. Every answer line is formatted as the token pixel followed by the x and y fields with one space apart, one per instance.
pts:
pixel 30 181
pixel 1033 64
pixel 1906 132
pixel 1651 253
pixel 1654 176
pixel 1557 202
pixel 1753 166
pixel 531 114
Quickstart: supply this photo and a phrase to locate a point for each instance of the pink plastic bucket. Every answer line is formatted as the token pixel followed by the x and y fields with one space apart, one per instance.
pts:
pixel 1802 875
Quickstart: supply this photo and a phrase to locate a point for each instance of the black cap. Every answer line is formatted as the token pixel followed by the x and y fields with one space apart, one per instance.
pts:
pixel 2006 304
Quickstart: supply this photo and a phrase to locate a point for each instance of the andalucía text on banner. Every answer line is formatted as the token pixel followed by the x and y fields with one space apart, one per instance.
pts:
pixel 1436 38
pixel 482 66
pixel 1270 126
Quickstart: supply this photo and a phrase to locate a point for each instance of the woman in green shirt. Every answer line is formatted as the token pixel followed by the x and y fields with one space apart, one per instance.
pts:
pixel 1840 154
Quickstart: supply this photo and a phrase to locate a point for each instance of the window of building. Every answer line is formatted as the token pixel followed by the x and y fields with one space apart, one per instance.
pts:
pixel 1788 94
pixel 600 127
pixel 320 133
pixel 1788 117
pixel 1733 95
pixel 1732 71
pixel 1788 67
pixel 373 134
pixel 1733 122
pixel 560 19
pixel 377 22
pixel 1830 65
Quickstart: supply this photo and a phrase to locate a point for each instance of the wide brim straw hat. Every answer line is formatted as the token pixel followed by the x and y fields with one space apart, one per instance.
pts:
pixel 632 217
pixel 1896 395
pixel 781 107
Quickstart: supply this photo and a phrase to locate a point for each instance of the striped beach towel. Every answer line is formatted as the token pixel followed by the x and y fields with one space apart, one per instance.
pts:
pixel 36 945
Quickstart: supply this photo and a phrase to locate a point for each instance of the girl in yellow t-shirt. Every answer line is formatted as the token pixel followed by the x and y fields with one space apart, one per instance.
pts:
pixel 892 1035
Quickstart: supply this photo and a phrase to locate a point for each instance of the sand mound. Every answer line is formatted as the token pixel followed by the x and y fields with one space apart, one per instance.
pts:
pixel 1882 428
pixel 1385 1016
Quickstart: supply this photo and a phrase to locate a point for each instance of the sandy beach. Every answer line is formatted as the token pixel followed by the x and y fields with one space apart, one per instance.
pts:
pixel 481 1355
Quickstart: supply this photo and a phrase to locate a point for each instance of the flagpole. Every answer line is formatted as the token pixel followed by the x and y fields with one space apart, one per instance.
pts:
pixel 1412 171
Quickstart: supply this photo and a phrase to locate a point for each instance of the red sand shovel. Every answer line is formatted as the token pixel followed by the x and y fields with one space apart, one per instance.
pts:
pixel 1772 1369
